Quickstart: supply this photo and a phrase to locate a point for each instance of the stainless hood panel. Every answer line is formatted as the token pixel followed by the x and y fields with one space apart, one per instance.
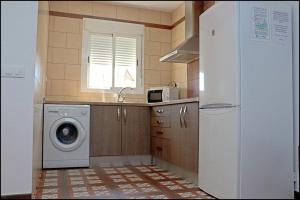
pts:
pixel 187 51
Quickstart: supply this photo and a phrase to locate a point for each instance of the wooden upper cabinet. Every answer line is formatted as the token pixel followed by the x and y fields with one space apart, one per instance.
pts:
pixel 135 130
pixel 105 139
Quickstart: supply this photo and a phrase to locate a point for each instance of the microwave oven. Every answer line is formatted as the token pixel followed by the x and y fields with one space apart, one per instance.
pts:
pixel 162 94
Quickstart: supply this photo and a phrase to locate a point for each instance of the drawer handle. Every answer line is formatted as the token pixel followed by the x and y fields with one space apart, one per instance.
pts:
pixel 160 132
pixel 180 117
pixel 125 114
pixel 184 116
pixel 159 149
pixel 118 114
pixel 160 111
pixel 159 121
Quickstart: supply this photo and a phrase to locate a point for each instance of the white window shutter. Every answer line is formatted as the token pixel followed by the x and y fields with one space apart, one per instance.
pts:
pixel 100 61
pixel 125 61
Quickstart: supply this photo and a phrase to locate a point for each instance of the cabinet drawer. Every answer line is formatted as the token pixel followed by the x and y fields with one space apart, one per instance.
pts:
pixel 160 121
pixel 160 111
pixel 160 148
pixel 161 132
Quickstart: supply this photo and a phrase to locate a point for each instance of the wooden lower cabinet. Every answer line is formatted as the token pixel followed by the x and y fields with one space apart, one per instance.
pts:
pixel 119 130
pixel 180 138
pixel 125 130
pixel 105 139
pixel 189 138
pixel 160 147
pixel 135 130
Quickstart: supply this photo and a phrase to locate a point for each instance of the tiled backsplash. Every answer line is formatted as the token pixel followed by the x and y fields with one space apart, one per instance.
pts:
pixel 64 50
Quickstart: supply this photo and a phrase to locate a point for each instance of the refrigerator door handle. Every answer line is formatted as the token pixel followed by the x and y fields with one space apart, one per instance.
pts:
pixel 217 105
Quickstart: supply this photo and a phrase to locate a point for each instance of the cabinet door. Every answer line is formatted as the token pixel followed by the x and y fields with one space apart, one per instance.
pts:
pixel 105 131
pixel 160 148
pixel 177 130
pixel 135 130
pixel 189 137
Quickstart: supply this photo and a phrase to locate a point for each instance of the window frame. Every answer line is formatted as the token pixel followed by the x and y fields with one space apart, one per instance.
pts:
pixel 116 29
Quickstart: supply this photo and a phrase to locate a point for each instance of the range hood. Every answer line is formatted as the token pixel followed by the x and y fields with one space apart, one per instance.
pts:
pixel 188 50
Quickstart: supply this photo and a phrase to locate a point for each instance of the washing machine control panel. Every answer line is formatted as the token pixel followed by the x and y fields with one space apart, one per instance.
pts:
pixel 65 112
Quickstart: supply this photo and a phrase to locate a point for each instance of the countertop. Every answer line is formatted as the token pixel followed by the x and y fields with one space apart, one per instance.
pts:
pixel 179 101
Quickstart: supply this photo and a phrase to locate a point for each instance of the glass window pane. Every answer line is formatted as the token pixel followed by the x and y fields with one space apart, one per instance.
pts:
pixel 125 62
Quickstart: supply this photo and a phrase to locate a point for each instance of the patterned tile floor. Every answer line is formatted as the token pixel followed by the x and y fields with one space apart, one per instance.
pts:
pixel 129 182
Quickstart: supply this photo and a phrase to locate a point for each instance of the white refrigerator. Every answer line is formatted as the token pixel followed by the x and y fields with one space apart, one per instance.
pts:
pixel 246 100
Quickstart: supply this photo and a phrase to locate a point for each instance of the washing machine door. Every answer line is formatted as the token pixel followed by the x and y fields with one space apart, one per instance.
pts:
pixel 67 134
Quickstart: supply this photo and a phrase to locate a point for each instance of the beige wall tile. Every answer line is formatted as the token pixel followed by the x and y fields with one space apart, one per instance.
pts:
pixel 87 94
pixel 147 33
pixel 65 24
pixel 72 72
pixel 74 40
pixel 48 87
pixel 152 48
pixel 166 35
pixel 165 66
pixel 155 34
pixel 165 18
pixel 59 6
pixel 127 13
pixel 55 71
pixel 71 56
pixel 71 88
pixel 178 13
pixel 149 16
pixel 55 98
pixel 176 66
pixel 67 56
pixel 49 54
pixel 154 62
pixel 57 87
pixel 165 77
pixel 178 33
pixel 152 77
pixel 58 55
pixel 57 39
pixel 146 62
pixel 179 75
pixel 80 7
pixel 165 48
pixel 150 85
pixel 103 10
pixel 76 98
pixel 160 35
pixel 183 89
pixel 51 23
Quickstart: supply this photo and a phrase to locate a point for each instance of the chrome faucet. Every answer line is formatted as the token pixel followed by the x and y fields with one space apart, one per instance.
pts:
pixel 121 97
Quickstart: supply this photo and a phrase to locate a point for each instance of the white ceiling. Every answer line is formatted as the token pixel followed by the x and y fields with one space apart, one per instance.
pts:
pixel 166 6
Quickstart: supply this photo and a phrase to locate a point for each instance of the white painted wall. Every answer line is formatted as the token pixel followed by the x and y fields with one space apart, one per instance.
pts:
pixel 18 47
pixel 296 85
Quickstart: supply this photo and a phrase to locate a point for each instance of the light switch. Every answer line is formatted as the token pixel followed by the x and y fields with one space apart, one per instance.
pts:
pixel 13 71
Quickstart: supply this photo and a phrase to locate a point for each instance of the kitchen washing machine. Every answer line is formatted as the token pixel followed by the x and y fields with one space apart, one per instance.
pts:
pixel 66 136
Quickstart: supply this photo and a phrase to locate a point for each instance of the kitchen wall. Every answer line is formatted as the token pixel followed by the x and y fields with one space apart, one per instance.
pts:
pixel 179 70
pixel 18 45
pixel 39 87
pixel 64 49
